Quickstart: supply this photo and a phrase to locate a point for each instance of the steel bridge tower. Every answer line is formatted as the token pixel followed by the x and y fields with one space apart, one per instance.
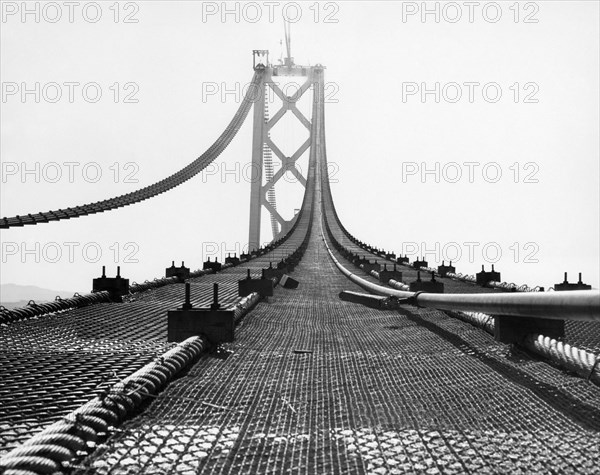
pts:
pixel 263 146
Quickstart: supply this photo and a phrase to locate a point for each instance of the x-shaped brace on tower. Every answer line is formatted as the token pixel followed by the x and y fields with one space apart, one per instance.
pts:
pixel 262 126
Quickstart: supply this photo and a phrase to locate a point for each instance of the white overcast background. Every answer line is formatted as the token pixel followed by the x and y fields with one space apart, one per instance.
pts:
pixel 372 134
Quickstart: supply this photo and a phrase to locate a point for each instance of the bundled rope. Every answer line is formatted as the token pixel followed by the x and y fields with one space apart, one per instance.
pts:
pixel 50 450
pixel 33 309
pixel 582 362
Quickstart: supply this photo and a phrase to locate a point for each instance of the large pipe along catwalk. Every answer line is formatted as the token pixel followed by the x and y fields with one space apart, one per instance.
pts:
pixel 477 308
pixel 582 305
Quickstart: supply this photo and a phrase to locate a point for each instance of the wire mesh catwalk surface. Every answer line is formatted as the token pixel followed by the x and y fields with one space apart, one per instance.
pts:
pixel 53 364
pixel 317 385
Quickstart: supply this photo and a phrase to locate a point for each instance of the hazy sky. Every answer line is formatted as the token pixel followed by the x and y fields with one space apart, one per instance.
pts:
pixel 511 98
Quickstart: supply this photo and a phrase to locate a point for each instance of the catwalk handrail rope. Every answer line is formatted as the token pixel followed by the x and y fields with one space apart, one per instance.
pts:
pixel 157 188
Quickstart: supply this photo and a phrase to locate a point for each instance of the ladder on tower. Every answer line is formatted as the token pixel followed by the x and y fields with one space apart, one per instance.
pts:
pixel 268 164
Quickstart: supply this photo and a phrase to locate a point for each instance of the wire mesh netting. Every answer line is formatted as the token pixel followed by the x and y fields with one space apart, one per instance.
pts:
pixel 318 385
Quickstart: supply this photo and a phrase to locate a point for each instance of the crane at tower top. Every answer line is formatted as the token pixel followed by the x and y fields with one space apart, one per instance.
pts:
pixel 286 66
pixel 289 60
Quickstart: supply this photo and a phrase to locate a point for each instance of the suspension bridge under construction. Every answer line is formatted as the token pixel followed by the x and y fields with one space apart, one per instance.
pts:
pixel 317 353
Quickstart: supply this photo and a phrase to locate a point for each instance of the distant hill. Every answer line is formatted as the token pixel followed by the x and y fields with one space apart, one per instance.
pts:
pixel 13 295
